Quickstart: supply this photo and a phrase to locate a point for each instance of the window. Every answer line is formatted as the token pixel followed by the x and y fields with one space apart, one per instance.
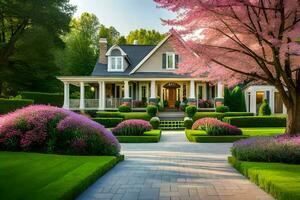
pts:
pixel 170 61
pixel 115 63
pixel 200 92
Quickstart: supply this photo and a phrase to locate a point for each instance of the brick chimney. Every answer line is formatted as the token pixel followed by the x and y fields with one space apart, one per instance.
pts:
pixel 103 50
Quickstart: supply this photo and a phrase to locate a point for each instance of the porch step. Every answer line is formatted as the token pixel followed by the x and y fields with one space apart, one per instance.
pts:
pixel 177 116
pixel 171 125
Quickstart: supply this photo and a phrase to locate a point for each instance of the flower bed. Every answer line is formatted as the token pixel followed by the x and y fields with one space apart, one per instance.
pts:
pixel 283 148
pixel 55 130
pixel 132 127
pixel 216 127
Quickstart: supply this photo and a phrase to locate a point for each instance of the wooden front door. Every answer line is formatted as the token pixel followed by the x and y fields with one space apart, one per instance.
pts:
pixel 172 97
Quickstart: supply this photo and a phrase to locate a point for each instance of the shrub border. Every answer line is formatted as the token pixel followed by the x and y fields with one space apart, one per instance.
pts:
pixel 152 136
pixel 213 139
pixel 267 185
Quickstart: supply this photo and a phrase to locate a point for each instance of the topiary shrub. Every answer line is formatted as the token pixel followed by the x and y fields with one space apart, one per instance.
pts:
pixel 188 122
pixel 216 127
pixel 222 109
pixel 191 111
pixel 264 109
pixel 155 121
pixel 132 127
pixel 235 100
pixel 152 110
pixel 55 130
pixel 124 108
pixel 279 149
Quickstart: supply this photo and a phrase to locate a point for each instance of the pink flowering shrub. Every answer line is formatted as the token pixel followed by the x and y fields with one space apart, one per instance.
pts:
pixel 281 148
pixel 132 127
pixel 214 126
pixel 55 130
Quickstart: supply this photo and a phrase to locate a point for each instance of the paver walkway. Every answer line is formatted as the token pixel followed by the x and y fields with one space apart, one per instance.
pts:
pixel 174 169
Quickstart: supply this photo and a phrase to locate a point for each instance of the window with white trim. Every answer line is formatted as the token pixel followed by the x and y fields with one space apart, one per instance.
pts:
pixel 115 63
pixel 170 60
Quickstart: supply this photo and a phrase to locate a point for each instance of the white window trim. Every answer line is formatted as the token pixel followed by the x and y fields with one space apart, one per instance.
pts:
pixel 110 64
pixel 167 60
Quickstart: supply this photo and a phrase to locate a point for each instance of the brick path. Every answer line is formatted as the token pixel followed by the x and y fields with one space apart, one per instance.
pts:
pixel 174 169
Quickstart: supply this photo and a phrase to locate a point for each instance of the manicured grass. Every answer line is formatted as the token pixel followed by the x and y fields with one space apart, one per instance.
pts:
pixel 280 180
pixel 201 137
pixel 152 136
pixel 263 131
pixel 47 176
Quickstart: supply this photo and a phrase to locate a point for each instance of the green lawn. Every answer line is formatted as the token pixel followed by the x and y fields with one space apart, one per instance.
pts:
pixel 47 176
pixel 262 131
pixel 152 136
pixel 280 180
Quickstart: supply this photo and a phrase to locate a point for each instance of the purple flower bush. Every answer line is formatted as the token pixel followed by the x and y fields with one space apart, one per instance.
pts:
pixel 216 127
pixel 55 130
pixel 282 148
pixel 132 127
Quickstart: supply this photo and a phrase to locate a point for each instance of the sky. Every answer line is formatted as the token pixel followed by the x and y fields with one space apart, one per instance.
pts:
pixel 125 15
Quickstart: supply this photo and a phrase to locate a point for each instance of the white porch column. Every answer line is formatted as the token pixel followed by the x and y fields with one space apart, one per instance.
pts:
pixel 100 107
pixel 220 90
pixel 66 95
pixel 82 103
pixel 253 101
pixel 153 90
pixel 192 90
pixel 126 90
pixel 103 95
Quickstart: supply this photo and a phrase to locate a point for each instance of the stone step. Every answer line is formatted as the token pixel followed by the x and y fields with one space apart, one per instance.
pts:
pixel 171 115
pixel 171 125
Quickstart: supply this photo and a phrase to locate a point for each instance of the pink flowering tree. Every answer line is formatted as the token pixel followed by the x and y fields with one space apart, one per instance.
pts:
pixel 243 40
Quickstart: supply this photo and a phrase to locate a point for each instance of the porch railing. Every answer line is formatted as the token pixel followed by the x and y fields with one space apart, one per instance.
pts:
pixel 113 102
pixel 74 103
pixel 91 103
pixel 205 104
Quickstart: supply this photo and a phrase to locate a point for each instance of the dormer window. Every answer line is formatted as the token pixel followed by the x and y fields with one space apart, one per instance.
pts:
pixel 115 63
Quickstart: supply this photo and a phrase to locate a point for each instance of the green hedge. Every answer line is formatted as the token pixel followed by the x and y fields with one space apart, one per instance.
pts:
pixel 220 116
pixel 200 136
pixel 54 99
pixel 129 115
pixel 10 105
pixel 109 115
pixel 256 121
pixel 278 179
pixel 152 136
pixel 108 122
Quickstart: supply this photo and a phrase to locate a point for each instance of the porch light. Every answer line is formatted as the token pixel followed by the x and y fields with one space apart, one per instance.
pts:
pixel 92 89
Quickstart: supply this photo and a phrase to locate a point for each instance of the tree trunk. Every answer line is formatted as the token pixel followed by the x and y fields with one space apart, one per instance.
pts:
pixel 293 119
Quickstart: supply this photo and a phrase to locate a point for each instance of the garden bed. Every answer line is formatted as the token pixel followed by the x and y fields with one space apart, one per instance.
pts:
pixel 152 136
pixel 280 180
pixel 48 176
pixel 200 136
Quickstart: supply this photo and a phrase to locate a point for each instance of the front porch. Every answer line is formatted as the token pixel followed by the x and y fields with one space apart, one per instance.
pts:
pixel 109 94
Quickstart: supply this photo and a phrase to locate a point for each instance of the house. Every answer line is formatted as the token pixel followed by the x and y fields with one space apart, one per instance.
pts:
pixel 139 74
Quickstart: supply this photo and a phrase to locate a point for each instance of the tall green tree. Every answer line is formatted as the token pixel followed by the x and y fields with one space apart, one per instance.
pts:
pixel 81 50
pixel 110 33
pixel 29 30
pixel 145 37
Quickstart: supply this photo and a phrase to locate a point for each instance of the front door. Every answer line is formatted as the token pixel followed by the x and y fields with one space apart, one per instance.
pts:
pixel 172 97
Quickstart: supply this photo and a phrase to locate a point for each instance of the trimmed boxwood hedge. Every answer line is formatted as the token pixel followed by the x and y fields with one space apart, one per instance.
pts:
pixel 152 136
pixel 257 121
pixel 10 105
pixel 108 122
pixel 129 115
pixel 53 99
pixel 200 136
pixel 218 115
